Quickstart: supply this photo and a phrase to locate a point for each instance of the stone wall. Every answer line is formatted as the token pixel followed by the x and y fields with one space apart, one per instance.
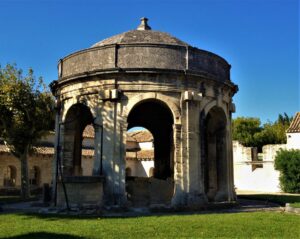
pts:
pixel 81 191
pixel 44 163
pixel 254 175
pixel 151 56
pixel 293 140
pixel 140 168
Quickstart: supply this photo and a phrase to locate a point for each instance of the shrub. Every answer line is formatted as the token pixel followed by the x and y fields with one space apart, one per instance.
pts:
pixel 288 163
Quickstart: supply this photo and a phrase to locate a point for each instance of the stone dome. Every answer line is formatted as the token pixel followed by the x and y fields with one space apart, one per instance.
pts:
pixel 137 36
pixel 143 50
pixel 143 35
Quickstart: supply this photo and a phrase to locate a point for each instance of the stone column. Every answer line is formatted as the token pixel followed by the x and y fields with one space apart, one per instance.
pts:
pixel 119 154
pixel 113 158
pixel 179 194
pixel 196 196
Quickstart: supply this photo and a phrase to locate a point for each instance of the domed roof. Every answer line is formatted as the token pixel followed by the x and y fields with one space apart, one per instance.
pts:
pixel 143 34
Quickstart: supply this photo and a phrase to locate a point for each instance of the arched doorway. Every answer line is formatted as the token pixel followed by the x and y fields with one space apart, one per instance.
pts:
pixel 215 160
pixel 155 116
pixel 34 176
pixel 77 118
pixel 9 176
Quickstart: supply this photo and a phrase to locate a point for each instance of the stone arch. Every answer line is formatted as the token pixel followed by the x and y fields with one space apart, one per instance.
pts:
pixel 128 172
pixel 214 103
pixel 77 118
pixel 9 176
pixel 215 140
pixel 156 116
pixel 174 107
pixel 68 103
pixel 35 176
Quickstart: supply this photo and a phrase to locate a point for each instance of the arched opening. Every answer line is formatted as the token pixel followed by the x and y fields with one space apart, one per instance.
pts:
pixel 9 176
pixel 215 161
pixel 128 172
pixel 34 176
pixel 88 150
pixel 139 151
pixel 77 118
pixel 155 116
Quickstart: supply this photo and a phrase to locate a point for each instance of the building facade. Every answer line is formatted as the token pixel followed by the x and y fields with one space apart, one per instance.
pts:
pixel 255 171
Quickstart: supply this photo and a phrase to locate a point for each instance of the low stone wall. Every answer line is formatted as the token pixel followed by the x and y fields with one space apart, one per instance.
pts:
pixel 288 208
pixel 254 174
pixel 81 191
pixel 149 191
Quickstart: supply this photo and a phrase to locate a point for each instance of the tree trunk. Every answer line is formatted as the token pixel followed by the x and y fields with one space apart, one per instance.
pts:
pixel 25 193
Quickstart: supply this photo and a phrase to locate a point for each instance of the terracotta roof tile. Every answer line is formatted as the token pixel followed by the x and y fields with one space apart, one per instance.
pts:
pixel 45 150
pixel 89 131
pixel 295 125
pixel 4 149
pixel 141 136
pixel 141 155
pixel 138 136
pixel 130 138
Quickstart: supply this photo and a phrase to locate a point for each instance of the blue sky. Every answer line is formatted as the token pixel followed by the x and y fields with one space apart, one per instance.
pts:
pixel 259 38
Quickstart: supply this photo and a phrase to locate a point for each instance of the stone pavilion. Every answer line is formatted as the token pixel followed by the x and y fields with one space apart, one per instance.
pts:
pixel 145 78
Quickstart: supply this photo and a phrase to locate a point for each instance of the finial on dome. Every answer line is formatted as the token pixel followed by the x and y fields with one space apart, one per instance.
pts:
pixel 144 24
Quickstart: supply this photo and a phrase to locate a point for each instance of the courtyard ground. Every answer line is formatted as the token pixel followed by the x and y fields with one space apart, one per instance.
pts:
pixel 252 219
pixel 208 225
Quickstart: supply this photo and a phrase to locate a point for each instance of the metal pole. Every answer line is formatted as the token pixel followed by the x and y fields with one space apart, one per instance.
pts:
pixel 56 166
pixel 101 152
pixel 101 149
pixel 63 184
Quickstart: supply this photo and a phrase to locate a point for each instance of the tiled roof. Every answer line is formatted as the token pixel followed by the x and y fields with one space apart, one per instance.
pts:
pixel 89 132
pixel 4 149
pixel 130 138
pixel 46 150
pixel 141 136
pixel 141 155
pixel 295 125
pixel 138 136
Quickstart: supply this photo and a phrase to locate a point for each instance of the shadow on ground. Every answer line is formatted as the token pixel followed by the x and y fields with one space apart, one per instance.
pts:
pixel 44 235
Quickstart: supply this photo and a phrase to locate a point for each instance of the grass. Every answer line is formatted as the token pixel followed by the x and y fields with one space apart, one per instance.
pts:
pixel 296 205
pixel 15 199
pixel 225 225
pixel 280 199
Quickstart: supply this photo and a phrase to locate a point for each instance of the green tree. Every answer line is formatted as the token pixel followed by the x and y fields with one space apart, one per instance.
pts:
pixel 26 114
pixel 249 132
pixel 244 129
pixel 288 163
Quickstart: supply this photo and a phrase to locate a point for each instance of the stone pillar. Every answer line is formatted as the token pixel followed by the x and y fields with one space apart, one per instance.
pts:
pixel 196 195
pixel 119 154
pixel 178 197
pixel 113 158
